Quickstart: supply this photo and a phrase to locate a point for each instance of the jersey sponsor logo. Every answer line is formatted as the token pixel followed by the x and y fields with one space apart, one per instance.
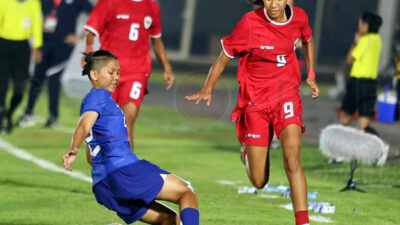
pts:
pixel 147 22
pixel 267 47
pixel 255 136
pixel 123 16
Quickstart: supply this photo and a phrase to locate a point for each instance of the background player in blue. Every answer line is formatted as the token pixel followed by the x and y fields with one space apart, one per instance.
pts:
pixel 121 181
pixel 59 38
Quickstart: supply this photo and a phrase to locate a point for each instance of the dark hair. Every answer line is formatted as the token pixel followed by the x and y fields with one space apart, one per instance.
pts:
pixel 93 60
pixel 374 21
pixel 256 2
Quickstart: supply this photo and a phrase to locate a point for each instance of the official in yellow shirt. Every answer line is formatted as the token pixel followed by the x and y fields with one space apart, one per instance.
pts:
pixel 361 89
pixel 20 22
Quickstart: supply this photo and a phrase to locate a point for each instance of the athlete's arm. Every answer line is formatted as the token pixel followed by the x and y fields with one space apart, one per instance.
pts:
pixel 89 40
pixel 215 72
pixel 308 48
pixel 350 59
pixel 85 125
pixel 88 155
pixel 159 51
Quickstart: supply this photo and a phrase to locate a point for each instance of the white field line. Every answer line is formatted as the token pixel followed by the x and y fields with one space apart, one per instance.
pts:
pixel 22 154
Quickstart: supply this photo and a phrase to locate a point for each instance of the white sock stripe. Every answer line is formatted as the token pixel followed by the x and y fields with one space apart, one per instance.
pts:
pixel 22 154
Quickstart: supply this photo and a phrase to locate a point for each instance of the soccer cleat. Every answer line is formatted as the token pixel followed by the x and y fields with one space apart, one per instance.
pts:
pixel 27 121
pixel 243 154
pixel 52 122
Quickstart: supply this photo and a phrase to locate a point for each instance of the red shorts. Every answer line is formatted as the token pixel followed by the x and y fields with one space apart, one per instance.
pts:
pixel 131 91
pixel 257 128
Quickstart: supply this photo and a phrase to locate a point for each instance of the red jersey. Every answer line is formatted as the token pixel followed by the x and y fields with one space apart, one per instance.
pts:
pixel 268 67
pixel 124 28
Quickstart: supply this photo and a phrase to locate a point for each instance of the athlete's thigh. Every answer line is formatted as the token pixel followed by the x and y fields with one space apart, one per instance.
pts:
pixel 257 159
pixel 131 91
pixel 173 188
pixel 287 112
pixel 158 212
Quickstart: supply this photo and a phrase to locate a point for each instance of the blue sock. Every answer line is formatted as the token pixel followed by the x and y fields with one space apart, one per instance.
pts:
pixel 190 216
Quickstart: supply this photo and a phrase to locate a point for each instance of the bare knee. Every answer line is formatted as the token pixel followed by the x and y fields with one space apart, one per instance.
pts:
pixel 259 181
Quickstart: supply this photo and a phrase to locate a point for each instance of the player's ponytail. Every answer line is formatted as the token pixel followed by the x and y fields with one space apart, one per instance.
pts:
pixel 256 2
pixel 93 60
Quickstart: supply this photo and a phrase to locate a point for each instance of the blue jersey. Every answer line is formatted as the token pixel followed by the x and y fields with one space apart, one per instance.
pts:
pixel 108 140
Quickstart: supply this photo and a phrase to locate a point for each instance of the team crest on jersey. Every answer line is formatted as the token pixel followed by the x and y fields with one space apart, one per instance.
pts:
pixel 69 1
pixel 147 22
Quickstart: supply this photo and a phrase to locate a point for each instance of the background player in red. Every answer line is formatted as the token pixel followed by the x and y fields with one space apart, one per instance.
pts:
pixel 269 100
pixel 124 28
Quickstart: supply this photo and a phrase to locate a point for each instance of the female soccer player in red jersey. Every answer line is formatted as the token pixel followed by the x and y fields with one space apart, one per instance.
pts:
pixel 269 99
pixel 124 28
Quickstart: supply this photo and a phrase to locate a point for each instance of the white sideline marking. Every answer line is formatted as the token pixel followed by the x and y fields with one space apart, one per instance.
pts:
pixel 321 219
pixel 22 154
pixel 228 182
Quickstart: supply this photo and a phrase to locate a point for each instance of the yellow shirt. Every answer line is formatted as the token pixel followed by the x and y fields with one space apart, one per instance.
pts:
pixel 366 56
pixel 21 21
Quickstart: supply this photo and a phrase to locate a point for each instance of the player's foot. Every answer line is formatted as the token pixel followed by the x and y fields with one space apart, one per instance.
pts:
pixel 243 154
pixel 27 120
pixel 52 122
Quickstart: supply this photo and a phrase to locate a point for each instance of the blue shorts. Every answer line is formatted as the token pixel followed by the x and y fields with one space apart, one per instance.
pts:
pixel 131 189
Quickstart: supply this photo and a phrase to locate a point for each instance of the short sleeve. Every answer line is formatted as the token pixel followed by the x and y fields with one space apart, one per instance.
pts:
pixel 238 41
pixel 99 17
pixel 306 31
pixel 95 101
pixel 156 29
pixel 360 48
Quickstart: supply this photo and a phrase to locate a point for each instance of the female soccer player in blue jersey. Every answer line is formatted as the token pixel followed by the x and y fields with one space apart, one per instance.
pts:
pixel 121 181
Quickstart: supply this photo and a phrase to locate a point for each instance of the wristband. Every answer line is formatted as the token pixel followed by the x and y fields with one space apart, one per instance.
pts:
pixel 311 74
pixel 89 48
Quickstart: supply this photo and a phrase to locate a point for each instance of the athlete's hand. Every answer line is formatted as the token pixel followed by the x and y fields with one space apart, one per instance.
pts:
pixel 68 158
pixel 72 39
pixel 313 86
pixel 198 97
pixel 169 77
pixel 37 55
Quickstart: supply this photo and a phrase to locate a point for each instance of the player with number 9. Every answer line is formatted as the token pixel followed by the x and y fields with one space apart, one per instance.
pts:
pixel 124 28
pixel 269 76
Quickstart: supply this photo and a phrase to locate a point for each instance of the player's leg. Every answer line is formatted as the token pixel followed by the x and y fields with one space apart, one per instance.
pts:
pixel 367 102
pixel 20 78
pixel 291 140
pixel 349 102
pixel 254 131
pixel 131 112
pixel 54 89
pixel 5 73
pixel 180 192
pixel 257 165
pixel 129 96
pixel 160 214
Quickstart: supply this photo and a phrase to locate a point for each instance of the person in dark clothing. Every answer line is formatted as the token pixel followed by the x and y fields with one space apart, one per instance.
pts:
pixel 60 19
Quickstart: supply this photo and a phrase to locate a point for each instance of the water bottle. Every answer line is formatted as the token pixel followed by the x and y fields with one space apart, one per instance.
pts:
pixel 312 194
pixel 321 207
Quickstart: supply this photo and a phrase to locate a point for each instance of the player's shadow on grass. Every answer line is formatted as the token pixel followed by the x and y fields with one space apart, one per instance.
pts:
pixel 31 185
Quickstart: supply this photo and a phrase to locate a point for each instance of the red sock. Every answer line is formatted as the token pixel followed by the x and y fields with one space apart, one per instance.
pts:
pixel 302 217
